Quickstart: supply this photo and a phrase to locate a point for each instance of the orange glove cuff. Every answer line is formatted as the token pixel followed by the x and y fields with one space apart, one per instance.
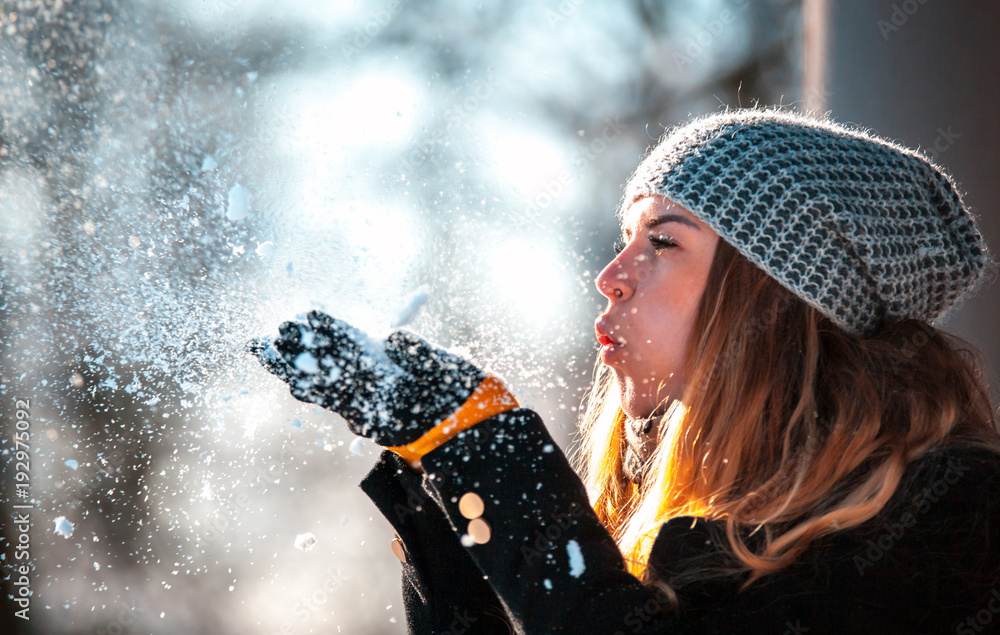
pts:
pixel 490 398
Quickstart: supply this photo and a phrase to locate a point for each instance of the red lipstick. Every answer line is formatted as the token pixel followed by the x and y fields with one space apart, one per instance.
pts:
pixel 602 337
pixel 611 349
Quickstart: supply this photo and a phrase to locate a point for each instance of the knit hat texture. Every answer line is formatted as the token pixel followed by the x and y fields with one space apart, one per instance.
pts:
pixel 864 230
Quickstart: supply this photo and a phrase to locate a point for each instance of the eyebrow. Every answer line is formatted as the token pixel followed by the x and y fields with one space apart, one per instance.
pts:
pixel 668 218
pixel 671 218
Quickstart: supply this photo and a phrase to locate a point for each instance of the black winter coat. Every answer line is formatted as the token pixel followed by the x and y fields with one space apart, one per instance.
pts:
pixel 928 563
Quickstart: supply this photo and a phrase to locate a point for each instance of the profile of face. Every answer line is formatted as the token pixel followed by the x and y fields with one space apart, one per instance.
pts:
pixel 653 286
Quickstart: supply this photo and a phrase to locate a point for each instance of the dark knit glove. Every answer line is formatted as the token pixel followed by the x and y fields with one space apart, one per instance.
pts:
pixel 393 393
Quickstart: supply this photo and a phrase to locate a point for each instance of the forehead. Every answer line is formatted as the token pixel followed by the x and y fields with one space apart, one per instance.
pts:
pixel 649 207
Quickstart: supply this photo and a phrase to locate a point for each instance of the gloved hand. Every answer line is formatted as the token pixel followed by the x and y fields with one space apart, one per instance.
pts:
pixel 403 394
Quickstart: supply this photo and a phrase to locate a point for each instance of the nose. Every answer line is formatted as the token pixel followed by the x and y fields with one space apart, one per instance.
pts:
pixel 614 282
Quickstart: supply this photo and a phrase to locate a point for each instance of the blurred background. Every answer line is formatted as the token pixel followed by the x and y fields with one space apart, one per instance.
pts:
pixel 178 177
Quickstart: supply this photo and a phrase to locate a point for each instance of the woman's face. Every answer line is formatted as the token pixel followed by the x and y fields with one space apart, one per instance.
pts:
pixel 653 287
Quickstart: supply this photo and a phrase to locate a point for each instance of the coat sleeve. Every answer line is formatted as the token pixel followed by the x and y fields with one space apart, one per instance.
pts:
pixel 443 589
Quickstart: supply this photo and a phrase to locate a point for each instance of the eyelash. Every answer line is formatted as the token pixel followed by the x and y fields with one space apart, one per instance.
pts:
pixel 662 241
pixel 659 241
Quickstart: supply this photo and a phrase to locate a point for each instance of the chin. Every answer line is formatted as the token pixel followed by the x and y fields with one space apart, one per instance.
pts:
pixel 640 407
pixel 636 413
pixel 632 407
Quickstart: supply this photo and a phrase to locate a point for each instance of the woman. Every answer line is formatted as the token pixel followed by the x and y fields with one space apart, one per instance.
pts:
pixel 778 441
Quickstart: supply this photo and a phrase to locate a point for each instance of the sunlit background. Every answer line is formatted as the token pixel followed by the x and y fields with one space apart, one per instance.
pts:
pixel 176 178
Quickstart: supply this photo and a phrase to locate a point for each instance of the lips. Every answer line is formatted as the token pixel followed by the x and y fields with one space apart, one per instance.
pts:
pixel 603 339
pixel 609 346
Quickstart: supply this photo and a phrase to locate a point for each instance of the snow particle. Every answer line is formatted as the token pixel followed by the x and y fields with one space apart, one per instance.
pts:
pixel 265 249
pixel 547 583
pixel 133 242
pixel 209 163
pixel 63 527
pixel 239 203
pixel 417 300
pixel 357 446
pixel 305 541
pixel 576 565
pixel 306 362
pixel 71 463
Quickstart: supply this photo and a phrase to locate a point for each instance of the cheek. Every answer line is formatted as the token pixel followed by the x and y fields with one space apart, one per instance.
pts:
pixel 669 316
pixel 666 332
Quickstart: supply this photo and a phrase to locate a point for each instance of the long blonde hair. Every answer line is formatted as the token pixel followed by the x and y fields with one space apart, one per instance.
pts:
pixel 787 425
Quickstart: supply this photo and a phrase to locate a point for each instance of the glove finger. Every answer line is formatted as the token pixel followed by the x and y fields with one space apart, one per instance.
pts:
pixel 256 345
pixel 409 351
pixel 263 349
pixel 269 358
pixel 319 320
pixel 329 336
pixel 329 351
pixel 420 358
pixel 337 343
pixel 290 332
pixel 290 343
pixel 321 336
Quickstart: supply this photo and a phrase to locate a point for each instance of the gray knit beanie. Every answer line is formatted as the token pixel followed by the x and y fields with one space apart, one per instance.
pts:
pixel 865 230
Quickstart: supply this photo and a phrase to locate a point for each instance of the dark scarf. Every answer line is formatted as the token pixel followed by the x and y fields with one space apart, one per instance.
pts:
pixel 640 441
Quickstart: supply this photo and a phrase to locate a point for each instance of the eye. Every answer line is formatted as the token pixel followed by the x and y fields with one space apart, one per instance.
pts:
pixel 661 241
pixel 619 246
